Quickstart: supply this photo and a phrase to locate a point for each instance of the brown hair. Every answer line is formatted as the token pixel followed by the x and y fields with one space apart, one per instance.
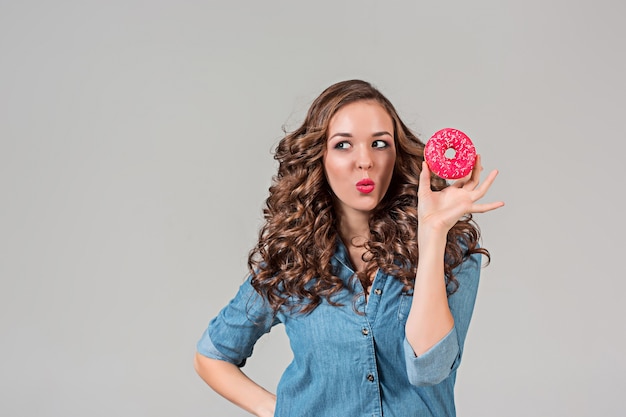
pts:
pixel 291 262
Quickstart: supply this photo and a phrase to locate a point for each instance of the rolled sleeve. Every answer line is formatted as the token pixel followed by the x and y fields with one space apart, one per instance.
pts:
pixel 232 334
pixel 206 348
pixel 434 365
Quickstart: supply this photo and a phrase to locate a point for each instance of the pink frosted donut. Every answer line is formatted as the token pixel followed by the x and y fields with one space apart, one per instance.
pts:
pixel 456 166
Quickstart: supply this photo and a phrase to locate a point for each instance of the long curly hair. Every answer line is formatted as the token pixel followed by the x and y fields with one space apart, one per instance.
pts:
pixel 291 262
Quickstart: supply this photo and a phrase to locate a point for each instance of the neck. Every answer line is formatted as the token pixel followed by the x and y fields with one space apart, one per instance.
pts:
pixel 355 232
pixel 354 229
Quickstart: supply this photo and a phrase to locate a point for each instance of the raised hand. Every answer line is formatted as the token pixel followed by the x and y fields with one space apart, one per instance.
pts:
pixel 440 210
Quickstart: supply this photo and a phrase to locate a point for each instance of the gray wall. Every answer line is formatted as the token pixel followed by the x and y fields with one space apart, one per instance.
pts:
pixel 135 154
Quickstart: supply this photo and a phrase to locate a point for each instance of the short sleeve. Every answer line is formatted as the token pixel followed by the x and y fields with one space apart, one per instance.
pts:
pixel 232 334
pixel 437 363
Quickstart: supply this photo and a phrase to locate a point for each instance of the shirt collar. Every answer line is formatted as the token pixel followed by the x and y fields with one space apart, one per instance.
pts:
pixel 341 254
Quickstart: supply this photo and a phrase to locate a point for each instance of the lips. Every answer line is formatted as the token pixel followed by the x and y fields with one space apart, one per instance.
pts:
pixel 365 186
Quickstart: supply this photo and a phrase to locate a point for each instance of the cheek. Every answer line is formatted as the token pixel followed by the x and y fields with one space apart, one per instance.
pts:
pixel 329 171
pixel 388 164
pixel 333 166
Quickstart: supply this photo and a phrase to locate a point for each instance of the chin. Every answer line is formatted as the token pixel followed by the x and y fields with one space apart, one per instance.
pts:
pixel 367 207
pixel 362 204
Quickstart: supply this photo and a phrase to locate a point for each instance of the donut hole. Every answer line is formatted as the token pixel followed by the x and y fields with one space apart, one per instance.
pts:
pixel 450 153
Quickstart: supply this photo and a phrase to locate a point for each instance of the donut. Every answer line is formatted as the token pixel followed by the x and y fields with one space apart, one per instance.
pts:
pixel 457 166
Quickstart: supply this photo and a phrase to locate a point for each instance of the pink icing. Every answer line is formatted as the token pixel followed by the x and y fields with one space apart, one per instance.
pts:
pixel 450 168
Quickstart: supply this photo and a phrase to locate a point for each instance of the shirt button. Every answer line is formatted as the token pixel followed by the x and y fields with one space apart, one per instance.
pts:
pixel 378 291
pixel 370 377
pixel 365 331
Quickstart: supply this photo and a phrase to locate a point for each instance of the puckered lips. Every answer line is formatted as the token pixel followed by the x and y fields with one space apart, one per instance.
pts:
pixel 365 186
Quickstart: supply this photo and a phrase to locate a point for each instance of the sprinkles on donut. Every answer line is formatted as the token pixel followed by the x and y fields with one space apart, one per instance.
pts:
pixel 450 167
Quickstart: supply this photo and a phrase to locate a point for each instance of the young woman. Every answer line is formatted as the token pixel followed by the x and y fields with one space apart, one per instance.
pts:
pixel 370 262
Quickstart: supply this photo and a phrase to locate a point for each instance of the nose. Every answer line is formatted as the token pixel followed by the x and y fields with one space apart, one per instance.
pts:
pixel 364 160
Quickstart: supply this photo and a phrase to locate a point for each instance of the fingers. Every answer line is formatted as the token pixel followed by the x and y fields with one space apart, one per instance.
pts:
pixel 470 188
pixel 483 208
pixel 481 190
pixel 471 180
pixel 474 178
pixel 424 184
pixel 475 175
pixel 480 193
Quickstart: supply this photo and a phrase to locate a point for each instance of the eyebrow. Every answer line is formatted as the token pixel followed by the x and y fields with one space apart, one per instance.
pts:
pixel 349 135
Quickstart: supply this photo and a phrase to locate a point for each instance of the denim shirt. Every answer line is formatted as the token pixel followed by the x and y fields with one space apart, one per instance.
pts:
pixel 347 364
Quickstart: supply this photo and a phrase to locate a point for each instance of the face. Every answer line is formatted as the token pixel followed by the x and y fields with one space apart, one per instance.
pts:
pixel 360 155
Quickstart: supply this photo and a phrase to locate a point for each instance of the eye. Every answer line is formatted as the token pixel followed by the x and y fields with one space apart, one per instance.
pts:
pixel 381 144
pixel 342 145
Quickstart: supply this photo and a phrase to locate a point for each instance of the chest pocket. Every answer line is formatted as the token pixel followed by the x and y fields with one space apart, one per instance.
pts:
pixel 406 297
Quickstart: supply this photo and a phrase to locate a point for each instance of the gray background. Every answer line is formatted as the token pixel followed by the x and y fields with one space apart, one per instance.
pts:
pixel 135 155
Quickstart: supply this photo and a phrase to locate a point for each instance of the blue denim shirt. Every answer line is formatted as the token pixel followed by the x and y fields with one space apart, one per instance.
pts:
pixel 347 364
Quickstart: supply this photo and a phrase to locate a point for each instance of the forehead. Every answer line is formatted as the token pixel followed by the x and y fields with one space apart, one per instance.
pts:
pixel 361 114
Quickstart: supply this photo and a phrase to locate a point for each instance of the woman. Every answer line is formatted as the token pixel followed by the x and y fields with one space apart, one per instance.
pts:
pixel 373 275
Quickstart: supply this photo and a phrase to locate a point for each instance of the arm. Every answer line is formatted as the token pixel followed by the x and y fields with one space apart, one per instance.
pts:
pixel 231 383
pixel 430 329
pixel 430 318
pixel 227 343
pixel 440 360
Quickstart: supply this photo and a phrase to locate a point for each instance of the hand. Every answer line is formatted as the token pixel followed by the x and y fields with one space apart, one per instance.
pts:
pixel 441 210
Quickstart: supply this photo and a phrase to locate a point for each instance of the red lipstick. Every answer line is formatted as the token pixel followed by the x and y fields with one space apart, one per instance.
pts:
pixel 365 186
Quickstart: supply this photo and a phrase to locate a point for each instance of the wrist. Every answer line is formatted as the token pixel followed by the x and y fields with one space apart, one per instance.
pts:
pixel 431 235
pixel 267 406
